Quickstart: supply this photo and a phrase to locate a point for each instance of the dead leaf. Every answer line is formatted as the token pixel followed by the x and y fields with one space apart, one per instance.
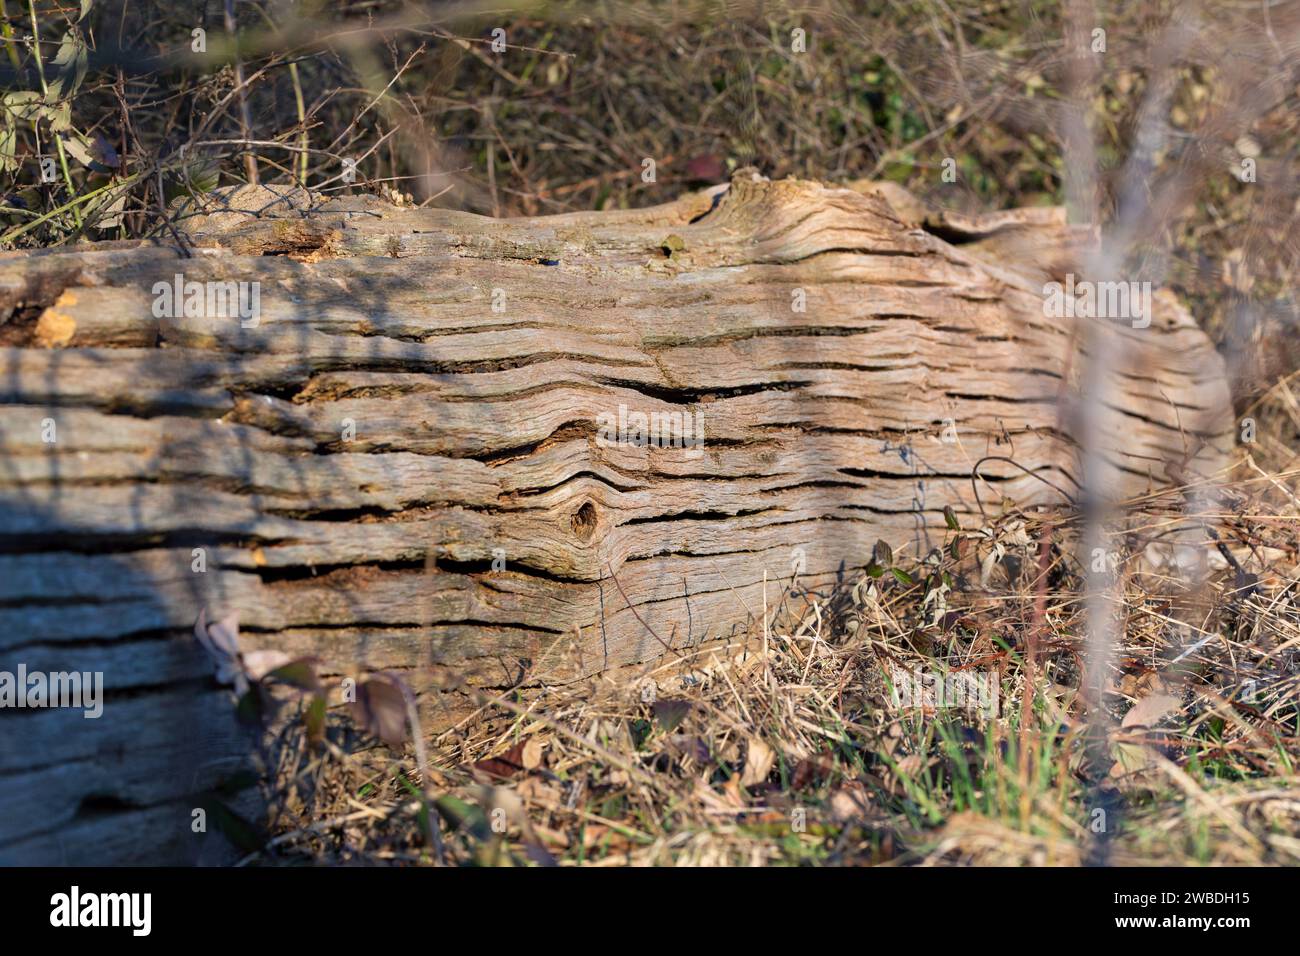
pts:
pixel 669 712
pixel 707 167
pixel 1148 711
pixel 512 808
pixel 260 663
pixel 689 745
pixel 380 708
pixel 1059 699
pixel 221 640
pixel 523 756
pixel 852 802
pixel 536 789
pixel 1134 759
pixel 809 772
pixel 758 762
pixel 908 767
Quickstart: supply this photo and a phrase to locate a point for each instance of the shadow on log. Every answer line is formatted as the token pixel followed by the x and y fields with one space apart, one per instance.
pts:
pixel 484 452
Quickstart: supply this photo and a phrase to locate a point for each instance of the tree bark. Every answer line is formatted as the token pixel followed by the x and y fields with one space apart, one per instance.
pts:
pixel 424 394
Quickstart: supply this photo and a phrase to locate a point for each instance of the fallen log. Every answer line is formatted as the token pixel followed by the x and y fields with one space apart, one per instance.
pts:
pixel 481 452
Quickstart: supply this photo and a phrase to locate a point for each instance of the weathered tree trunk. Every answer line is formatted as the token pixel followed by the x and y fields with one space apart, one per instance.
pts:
pixel 424 393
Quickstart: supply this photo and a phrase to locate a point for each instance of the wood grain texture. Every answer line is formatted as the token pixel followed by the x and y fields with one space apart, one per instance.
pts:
pixel 477 434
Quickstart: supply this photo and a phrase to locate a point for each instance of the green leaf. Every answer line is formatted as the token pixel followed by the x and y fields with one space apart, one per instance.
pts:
pixel 78 150
pixel 244 835
pixel 59 116
pixel 249 710
pixel 300 673
pixel 109 215
pixel 198 176
pixel 314 719
pixel 950 518
pixel 24 104
pixel 71 62
pixel 461 815
pixel 901 576
pixel 8 147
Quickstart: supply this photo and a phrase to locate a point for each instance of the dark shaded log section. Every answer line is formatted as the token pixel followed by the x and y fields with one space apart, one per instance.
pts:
pixel 424 392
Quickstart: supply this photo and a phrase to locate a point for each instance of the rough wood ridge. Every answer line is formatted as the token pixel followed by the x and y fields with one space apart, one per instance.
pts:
pixel 426 392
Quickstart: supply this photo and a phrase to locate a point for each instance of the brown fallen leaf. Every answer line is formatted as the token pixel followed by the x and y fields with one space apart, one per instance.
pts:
pixel 522 757
pixel 908 768
pixel 758 762
pixel 809 772
pixel 669 712
pixel 505 804
pixel 1135 759
pixel 380 708
pixel 689 746
pixel 727 801
pixel 852 801
pixel 537 789
pixel 1139 680
pixel 1149 711
pixel 707 167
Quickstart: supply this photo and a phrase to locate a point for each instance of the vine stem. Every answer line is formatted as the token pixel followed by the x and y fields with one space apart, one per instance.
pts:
pixel 19 231
pixel 45 92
